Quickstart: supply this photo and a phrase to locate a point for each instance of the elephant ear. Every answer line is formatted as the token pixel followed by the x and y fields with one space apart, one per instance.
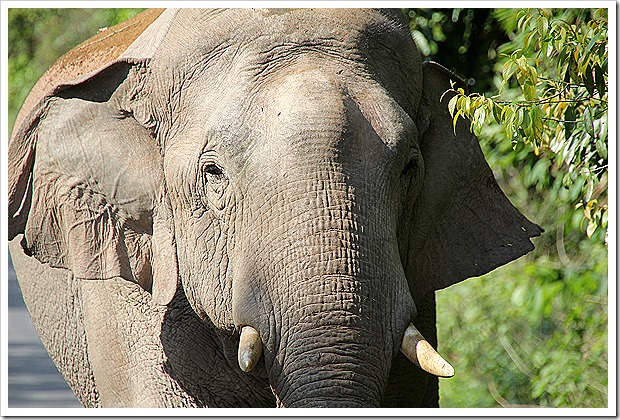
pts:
pixel 86 186
pixel 462 223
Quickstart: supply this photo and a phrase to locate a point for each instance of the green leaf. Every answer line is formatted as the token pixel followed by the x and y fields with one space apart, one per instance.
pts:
pixel 600 81
pixel 595 38
pixel 558 44
pixel 497 113
pixel 592 225
pixel 519 118
pixel 601 148
pixel 524 19
pixel 508 117
pixel 466 107
pixel 536 122
pixel 533 75
pixel 526 125
pixel 589 189
pixel 480 116
pixel 452 104
pixel 588 123
pixel 603 130
pixel 563 34
pixel 526 39
pixel 569 121
pixel 583 63
pixel 529 91
pixel 573 70
pixel 588 80
pixel 455 119
pixel 542 24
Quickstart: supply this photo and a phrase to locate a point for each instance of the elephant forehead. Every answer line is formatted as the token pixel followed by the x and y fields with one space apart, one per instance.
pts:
pixel 210 26
pixel 306 125
pixel 306 111
pixel 260 41
pixel 333 110
pixel 257 79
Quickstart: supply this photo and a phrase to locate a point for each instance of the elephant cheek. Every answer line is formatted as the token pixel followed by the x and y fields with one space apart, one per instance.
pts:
pixel 203 267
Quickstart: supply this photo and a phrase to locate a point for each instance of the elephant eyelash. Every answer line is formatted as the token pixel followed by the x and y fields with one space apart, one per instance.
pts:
pixel 209 172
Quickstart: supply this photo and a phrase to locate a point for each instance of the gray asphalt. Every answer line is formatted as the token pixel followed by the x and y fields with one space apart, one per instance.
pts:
pixel 33 380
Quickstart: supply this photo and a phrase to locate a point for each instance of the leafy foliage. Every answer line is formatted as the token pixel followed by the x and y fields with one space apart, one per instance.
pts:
pixel 463 40
pixel 38 37
pixel 558 60
pixel 534 332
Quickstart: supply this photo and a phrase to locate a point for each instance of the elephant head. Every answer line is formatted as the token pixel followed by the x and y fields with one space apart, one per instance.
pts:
pixel 296 173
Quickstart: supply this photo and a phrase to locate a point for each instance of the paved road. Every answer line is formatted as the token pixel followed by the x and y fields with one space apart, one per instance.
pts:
pixel 33 379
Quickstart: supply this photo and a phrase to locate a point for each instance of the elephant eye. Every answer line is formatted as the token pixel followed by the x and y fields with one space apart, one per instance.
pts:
pixel 212 184
pixel 213 173
pixel 411 167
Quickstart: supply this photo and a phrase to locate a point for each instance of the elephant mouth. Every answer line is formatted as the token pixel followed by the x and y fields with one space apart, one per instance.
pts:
pixel 331 356
pixel 414 346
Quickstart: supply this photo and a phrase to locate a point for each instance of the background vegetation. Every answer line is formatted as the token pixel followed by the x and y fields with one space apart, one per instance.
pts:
pixel 534 332
pixel 38 37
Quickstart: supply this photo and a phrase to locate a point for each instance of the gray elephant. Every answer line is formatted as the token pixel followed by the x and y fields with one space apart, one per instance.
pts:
pixel 247 207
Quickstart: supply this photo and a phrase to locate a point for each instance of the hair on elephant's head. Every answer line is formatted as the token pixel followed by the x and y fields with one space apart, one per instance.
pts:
pixel 296 173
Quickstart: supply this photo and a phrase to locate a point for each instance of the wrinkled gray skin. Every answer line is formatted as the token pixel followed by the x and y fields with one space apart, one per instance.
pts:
pixel 289 170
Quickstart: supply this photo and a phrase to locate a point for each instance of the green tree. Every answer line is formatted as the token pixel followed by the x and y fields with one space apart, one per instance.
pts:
pixel 553 97
pixel 534 332
pixel 38 37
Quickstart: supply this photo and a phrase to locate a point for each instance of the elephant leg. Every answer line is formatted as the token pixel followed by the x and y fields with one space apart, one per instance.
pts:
pixel 123 327
pixel 148 355
pixel 53 299
pixel 408 385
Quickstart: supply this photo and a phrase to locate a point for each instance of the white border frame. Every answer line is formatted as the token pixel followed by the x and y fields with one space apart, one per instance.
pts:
pixel 380 412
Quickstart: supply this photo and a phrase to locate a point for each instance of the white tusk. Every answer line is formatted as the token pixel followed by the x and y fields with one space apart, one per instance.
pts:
pixel 250 348
pixel 422 354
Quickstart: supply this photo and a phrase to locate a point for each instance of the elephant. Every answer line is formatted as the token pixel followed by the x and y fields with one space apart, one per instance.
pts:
pixel 250 208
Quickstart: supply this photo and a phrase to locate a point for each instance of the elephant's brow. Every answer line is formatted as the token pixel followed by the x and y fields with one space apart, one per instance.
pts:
pixel 271 58
pixel 207 58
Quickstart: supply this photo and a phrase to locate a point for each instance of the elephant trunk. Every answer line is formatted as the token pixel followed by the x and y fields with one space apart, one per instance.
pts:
pixel 328 378
pixel 328 298
pixel 335 342
pixel 317 271
pixel 333 363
